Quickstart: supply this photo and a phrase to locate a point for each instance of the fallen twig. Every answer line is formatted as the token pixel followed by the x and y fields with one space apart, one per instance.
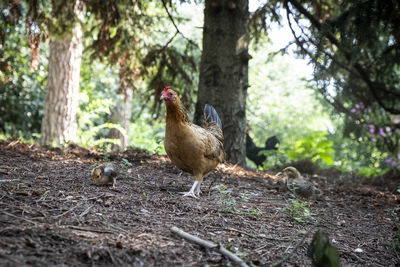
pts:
pixel 21 218
pixel 65 213
pixel 209 245
pixel 86 211
pixel 87 229
pixel 8 180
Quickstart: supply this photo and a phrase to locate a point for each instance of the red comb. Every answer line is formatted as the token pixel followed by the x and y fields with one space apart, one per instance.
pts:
pixel 166 88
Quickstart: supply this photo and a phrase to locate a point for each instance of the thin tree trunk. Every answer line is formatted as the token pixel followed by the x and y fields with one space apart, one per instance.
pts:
pixel 224 71
pixel 123 107
pixel 122 115
pixel 59 124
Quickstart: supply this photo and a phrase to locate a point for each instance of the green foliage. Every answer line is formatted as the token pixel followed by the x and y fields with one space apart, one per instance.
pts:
pixel 225 198
pixel 299 211
pixel 230 203
pixel 282 103
pixel 322 252
pixel 146 196
pixel 87 138
pixel 106 157
pixel 315 147
pixel 359 155
pixel 96 99
pixel 148 135
pixel 44 196
pixel 21 91
pixel 357 74
pixel 275 158
pixel 125 163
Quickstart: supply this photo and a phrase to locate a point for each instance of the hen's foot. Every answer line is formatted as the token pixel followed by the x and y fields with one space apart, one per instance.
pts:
pixel 189 194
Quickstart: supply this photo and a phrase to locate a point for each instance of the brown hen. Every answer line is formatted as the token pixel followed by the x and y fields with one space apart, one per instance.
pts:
pixel 194 149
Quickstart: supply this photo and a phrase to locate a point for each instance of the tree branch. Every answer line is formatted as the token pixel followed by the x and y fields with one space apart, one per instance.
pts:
pixel 210 245
pixel 362 72
pixel 176 27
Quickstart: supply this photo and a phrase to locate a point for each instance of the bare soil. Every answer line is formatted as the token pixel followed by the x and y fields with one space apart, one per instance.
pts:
pixel 51 213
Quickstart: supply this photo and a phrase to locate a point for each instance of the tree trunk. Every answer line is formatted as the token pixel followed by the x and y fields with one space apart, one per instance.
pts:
pixel 59 122
pixel 123 107
pixel 122 115
pixel 224 71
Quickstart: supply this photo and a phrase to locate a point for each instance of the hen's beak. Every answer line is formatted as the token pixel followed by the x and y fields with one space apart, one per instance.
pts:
pixel 162 97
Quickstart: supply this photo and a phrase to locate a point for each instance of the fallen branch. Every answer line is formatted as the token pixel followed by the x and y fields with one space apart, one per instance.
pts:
pixel 8 180
pixel 209 245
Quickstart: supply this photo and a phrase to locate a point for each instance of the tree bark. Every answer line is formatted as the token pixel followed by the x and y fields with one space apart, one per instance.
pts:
pixel 224 71
pixel 59 124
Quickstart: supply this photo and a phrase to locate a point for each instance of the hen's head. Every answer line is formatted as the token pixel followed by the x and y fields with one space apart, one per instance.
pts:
pixel 168 95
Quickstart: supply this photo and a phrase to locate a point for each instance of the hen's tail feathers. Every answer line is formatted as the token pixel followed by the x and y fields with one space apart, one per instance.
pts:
pixel 210 114
pixel 271 143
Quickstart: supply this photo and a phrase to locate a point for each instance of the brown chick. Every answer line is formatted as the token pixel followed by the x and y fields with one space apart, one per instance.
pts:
pixel 105 174
pixel 296 184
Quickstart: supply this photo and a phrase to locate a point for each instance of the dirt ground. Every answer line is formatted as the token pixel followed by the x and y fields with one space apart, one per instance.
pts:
pixel 52 213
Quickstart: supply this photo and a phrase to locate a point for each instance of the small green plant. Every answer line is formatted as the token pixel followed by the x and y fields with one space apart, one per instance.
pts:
pixel 18 186
pixel 230 204
pixel 299 211
pixel 125 164
pixel 46 193
pixel 254 212
pixel 226 199
pixel 106 157
pixel 44 196
pixel 146 196
pixel 95 164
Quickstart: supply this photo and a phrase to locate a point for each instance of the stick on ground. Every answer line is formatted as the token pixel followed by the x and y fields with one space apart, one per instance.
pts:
pixel 209 245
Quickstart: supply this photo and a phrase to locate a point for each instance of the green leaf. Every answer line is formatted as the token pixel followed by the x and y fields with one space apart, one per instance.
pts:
pixel 327 158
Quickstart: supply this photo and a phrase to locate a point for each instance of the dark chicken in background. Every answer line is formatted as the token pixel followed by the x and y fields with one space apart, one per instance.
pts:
pixel 252 151
pixel 194 149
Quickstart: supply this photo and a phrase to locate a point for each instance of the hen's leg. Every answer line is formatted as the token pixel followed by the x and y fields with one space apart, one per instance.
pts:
pixel 192 192
pixel 197 189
